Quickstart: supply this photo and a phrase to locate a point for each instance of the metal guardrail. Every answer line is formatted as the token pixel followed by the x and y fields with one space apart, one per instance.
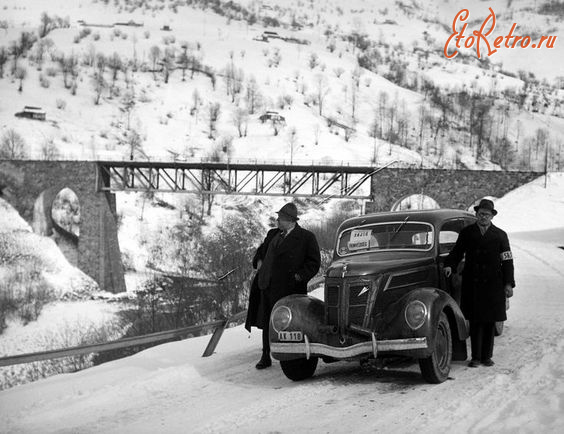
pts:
pixel 218 325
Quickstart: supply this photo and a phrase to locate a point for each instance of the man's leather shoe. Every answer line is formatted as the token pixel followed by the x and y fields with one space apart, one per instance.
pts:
pixel 474 363
pixel 488 362
pixel 263 363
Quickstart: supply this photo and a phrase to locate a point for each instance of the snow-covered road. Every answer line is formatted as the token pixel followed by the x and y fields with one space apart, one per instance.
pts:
pixel 170 388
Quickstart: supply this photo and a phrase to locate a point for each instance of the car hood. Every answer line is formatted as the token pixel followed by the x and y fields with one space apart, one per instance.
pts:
pixel 374 264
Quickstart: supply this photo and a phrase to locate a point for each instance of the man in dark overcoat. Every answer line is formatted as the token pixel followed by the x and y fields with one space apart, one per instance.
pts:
pixel 487 279
pixel 286 260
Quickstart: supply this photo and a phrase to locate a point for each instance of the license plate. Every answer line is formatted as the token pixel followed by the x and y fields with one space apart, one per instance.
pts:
pixel 290 336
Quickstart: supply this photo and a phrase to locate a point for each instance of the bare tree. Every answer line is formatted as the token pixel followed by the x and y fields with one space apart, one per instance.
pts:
pixel 195 66
pixel 214 110
pixel 26 41
pixel 65 64
pixel 98 84
pixel 479 122
pixel 196 101
pixel 15 51
pixel 292 141
pixel 392 110
pixel 42 46
pixel 49 150
pixel 422 116
pixel 134 143
pixel 128 104
pixel 241 120
pixel 154 56
pixel 373 132
pixel 253 95
pixel 46 25
pixel 20 74
pixel 354 98
pixel 168 62
pixel 233 78
pixel 101 63
pixel 321 91
pixel 276 125
pixel 541 140
pixel 115 64
pixel 502 153
pixel 382 108
pixel 3 60
pixel 403 125
pixel 12 145
pixel 184 60
pixel 313 60
pixel 374 128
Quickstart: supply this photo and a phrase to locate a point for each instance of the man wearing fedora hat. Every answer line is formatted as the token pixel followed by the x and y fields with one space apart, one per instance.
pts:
pixel 487 279
pixel 286 260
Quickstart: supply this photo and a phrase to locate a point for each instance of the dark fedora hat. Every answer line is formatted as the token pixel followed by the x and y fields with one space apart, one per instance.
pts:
pixel 486 204
pixel 289 210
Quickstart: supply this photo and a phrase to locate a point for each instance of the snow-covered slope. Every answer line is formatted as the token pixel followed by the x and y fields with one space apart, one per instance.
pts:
pixel 171 124
pixel 171 388
pixel 22 251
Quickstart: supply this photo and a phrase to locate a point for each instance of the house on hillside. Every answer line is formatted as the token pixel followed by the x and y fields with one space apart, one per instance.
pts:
pixel 267 35
pixel 130 23
pixel 32 112
pixel 272 116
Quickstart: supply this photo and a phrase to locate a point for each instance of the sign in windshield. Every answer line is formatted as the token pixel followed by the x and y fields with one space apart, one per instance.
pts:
pixel 386 236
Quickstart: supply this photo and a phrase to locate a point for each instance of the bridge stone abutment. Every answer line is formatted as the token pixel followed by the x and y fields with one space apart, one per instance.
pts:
pixel 450 188
pixel 23 182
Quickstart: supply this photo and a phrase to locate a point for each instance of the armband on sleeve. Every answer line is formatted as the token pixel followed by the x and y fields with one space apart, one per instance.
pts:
pixel 506 256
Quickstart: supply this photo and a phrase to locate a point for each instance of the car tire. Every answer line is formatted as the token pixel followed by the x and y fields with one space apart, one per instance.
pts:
pixel 499 328
pixel 436 368
pixel 299 369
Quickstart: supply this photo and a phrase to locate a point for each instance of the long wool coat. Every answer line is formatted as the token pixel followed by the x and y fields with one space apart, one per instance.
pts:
pixel 298 253
pixel 488 268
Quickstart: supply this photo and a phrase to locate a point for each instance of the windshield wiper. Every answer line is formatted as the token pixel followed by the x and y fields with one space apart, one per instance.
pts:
pixel 398 229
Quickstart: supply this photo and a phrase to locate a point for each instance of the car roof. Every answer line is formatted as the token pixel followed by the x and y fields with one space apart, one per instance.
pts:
pixel 433 216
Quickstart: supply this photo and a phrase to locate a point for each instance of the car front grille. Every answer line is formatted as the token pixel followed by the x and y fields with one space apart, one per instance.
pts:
pixel 348 301
pixel 357 302
pixel 332 293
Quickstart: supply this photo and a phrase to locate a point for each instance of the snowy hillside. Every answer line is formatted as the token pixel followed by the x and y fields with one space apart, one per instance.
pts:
pixel 370 84
pixel 171 388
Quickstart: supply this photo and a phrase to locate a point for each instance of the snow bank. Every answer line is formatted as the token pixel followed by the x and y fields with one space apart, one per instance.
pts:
pixel 10 220
pixel 60 325
pixel 538 205
pixel 23 251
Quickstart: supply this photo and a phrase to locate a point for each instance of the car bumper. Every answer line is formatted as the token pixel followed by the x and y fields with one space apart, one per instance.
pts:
pixel 372 347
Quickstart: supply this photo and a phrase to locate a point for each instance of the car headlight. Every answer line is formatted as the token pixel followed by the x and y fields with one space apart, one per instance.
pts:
pixel 415 314
pixel 281 318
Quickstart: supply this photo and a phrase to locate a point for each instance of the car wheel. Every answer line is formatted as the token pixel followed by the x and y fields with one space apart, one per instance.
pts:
pixel 436 367
pixel 299 369
pixel 499 328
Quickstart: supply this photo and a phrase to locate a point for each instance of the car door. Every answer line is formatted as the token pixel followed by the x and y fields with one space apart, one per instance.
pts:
pixel 448 234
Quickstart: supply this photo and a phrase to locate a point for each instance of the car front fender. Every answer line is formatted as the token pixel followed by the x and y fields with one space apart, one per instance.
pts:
pixel 438 301
pixel 308 314
pixel 435 301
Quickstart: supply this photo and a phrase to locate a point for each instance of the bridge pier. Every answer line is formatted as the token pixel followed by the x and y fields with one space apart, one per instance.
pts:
pixel 98 248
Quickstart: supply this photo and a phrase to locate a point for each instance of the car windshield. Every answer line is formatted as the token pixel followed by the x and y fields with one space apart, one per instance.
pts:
pixel 402 235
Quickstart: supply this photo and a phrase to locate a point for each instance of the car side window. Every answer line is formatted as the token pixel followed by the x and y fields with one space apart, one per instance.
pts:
pixel 448 235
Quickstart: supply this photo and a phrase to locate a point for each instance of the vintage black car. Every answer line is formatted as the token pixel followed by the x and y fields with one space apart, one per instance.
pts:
pixel 385 295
